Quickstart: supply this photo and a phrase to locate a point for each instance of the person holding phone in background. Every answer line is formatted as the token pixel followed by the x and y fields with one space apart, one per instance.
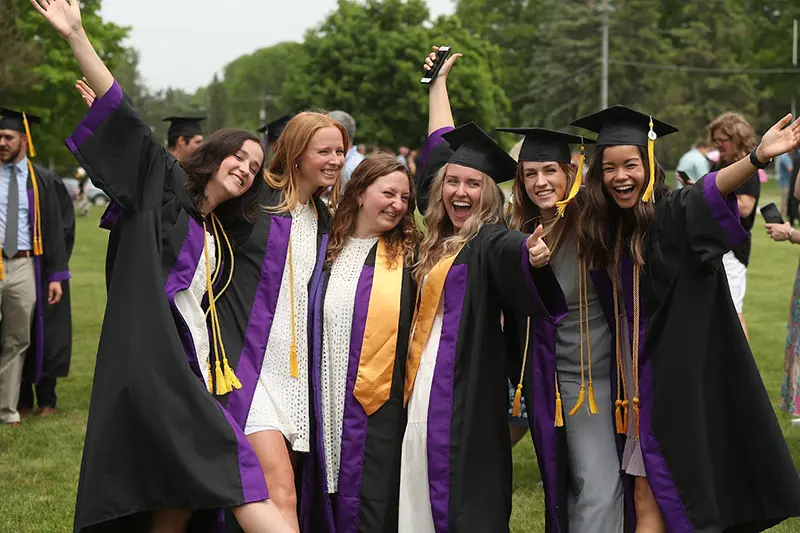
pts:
pixel 694 163
pixel 790 386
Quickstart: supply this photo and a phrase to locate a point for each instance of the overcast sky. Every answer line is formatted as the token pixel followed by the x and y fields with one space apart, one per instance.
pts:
pixel 182 43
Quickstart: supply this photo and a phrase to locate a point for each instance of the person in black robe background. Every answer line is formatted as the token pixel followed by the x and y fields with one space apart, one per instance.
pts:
pixel 711 454
pixel 57 323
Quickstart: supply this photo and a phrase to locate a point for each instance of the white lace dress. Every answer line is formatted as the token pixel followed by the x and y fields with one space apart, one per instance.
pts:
pixel 280 401
pixel 190 305
pixel 338 322
pixel 415 497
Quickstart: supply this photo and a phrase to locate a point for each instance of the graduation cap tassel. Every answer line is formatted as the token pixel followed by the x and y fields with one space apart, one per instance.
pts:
pixel 576 185
pixel 31 149
pixel 515 409
pixel 651 150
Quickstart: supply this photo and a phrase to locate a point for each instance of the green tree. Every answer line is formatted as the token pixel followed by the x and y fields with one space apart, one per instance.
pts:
pixel 52 94
pixel 217 105
pixel 366 59
pixel 254 84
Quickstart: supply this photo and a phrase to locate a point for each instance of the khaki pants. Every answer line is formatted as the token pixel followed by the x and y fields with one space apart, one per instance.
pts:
pixel 17 301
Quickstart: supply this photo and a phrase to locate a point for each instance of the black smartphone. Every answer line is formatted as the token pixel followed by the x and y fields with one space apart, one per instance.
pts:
pixel 441 56
pixel 771 214
pixel 684 177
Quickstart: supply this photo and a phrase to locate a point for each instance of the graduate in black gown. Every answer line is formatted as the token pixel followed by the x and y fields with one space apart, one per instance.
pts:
pixel 705 448
pixel 57 321
pixel 273 130
pixel 456 453
pixel 360 329
pixel 160 453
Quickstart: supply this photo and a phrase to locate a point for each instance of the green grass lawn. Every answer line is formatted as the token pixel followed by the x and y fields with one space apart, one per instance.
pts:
pixel 39 462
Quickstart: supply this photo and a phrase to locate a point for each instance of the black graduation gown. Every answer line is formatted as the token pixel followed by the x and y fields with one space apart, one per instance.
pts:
pixel 369 479
pixel 490 276
pixel 713 450
pixel 57 319
pixel 247 310
pixel 156 439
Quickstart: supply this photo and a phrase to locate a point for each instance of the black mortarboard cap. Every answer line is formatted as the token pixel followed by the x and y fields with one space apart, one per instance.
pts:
pixel 619 125
pixel 542 145
pixel 13 120
pixel 184 126
pixel 475 149
pixel 274 129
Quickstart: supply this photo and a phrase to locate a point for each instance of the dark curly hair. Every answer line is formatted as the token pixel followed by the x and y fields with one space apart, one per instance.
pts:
pixel 402 240
pixel 205 161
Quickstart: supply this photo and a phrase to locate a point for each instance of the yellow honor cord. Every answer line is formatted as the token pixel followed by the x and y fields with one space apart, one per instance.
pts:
pixel 576 185
pixel 294 369
pixel 651 150
pixel 515 410
pixel 636 311
pixel 31 149
pixel 38 248
pixel 621 403
pixel 559 419
pixel 225 379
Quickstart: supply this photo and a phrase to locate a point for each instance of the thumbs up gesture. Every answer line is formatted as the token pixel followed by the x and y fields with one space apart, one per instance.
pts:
pixel 538 252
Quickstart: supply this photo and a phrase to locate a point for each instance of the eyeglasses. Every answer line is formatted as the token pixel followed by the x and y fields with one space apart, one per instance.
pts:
pixel 720 140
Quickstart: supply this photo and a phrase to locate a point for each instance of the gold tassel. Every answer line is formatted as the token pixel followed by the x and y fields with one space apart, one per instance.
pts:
pixel 636 415
pixel 581 399
pixel 210 381
pixel 592 404
pixel 517 401
pixel 625 416
pixel 559 423
pixel 618 417
pixel 294 369
pixel 31 149
pixel 518 394
pixel 230 378
pixel 651 143
pixel 576 186
pixel 219 378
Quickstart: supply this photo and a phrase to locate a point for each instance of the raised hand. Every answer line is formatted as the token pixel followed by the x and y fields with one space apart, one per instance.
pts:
pixel 779 139
pixel 86 92
pixel 63 15
pixel 445 70
pixel 538 252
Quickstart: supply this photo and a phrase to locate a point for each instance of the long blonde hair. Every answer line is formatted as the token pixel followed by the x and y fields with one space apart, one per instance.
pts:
pixel 441 239
pixel 283 174
pixel 525 215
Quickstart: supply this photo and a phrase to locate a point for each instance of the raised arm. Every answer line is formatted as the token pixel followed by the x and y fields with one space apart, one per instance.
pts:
pixel 65 17
pixel 439 113
pixel 780 139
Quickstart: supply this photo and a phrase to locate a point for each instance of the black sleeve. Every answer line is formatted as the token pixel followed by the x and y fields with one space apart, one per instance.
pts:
pixel 54 255
pixel 121 154
pixel 67 216
pixel 524 290
pixel 702 216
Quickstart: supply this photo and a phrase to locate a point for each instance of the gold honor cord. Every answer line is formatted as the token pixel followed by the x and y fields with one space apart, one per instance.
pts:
pixel 585 342
pixel 621 404
pixel 518 394
pixel 224 380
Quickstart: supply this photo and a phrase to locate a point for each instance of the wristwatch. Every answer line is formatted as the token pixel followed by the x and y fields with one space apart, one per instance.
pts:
pixel 756 163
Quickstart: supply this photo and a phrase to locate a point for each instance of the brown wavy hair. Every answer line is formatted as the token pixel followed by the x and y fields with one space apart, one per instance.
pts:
pixel 601 217
pixel 206 160
pixel 290 147
pixel 525 215
pixel 738 129
pixel 441 239
pixel 401 240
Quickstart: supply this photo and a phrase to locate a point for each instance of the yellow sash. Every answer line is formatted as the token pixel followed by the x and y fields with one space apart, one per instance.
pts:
pixel 375 367
pixel 428 305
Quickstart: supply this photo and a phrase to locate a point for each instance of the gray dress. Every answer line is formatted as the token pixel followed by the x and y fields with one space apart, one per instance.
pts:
pixel 595 492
